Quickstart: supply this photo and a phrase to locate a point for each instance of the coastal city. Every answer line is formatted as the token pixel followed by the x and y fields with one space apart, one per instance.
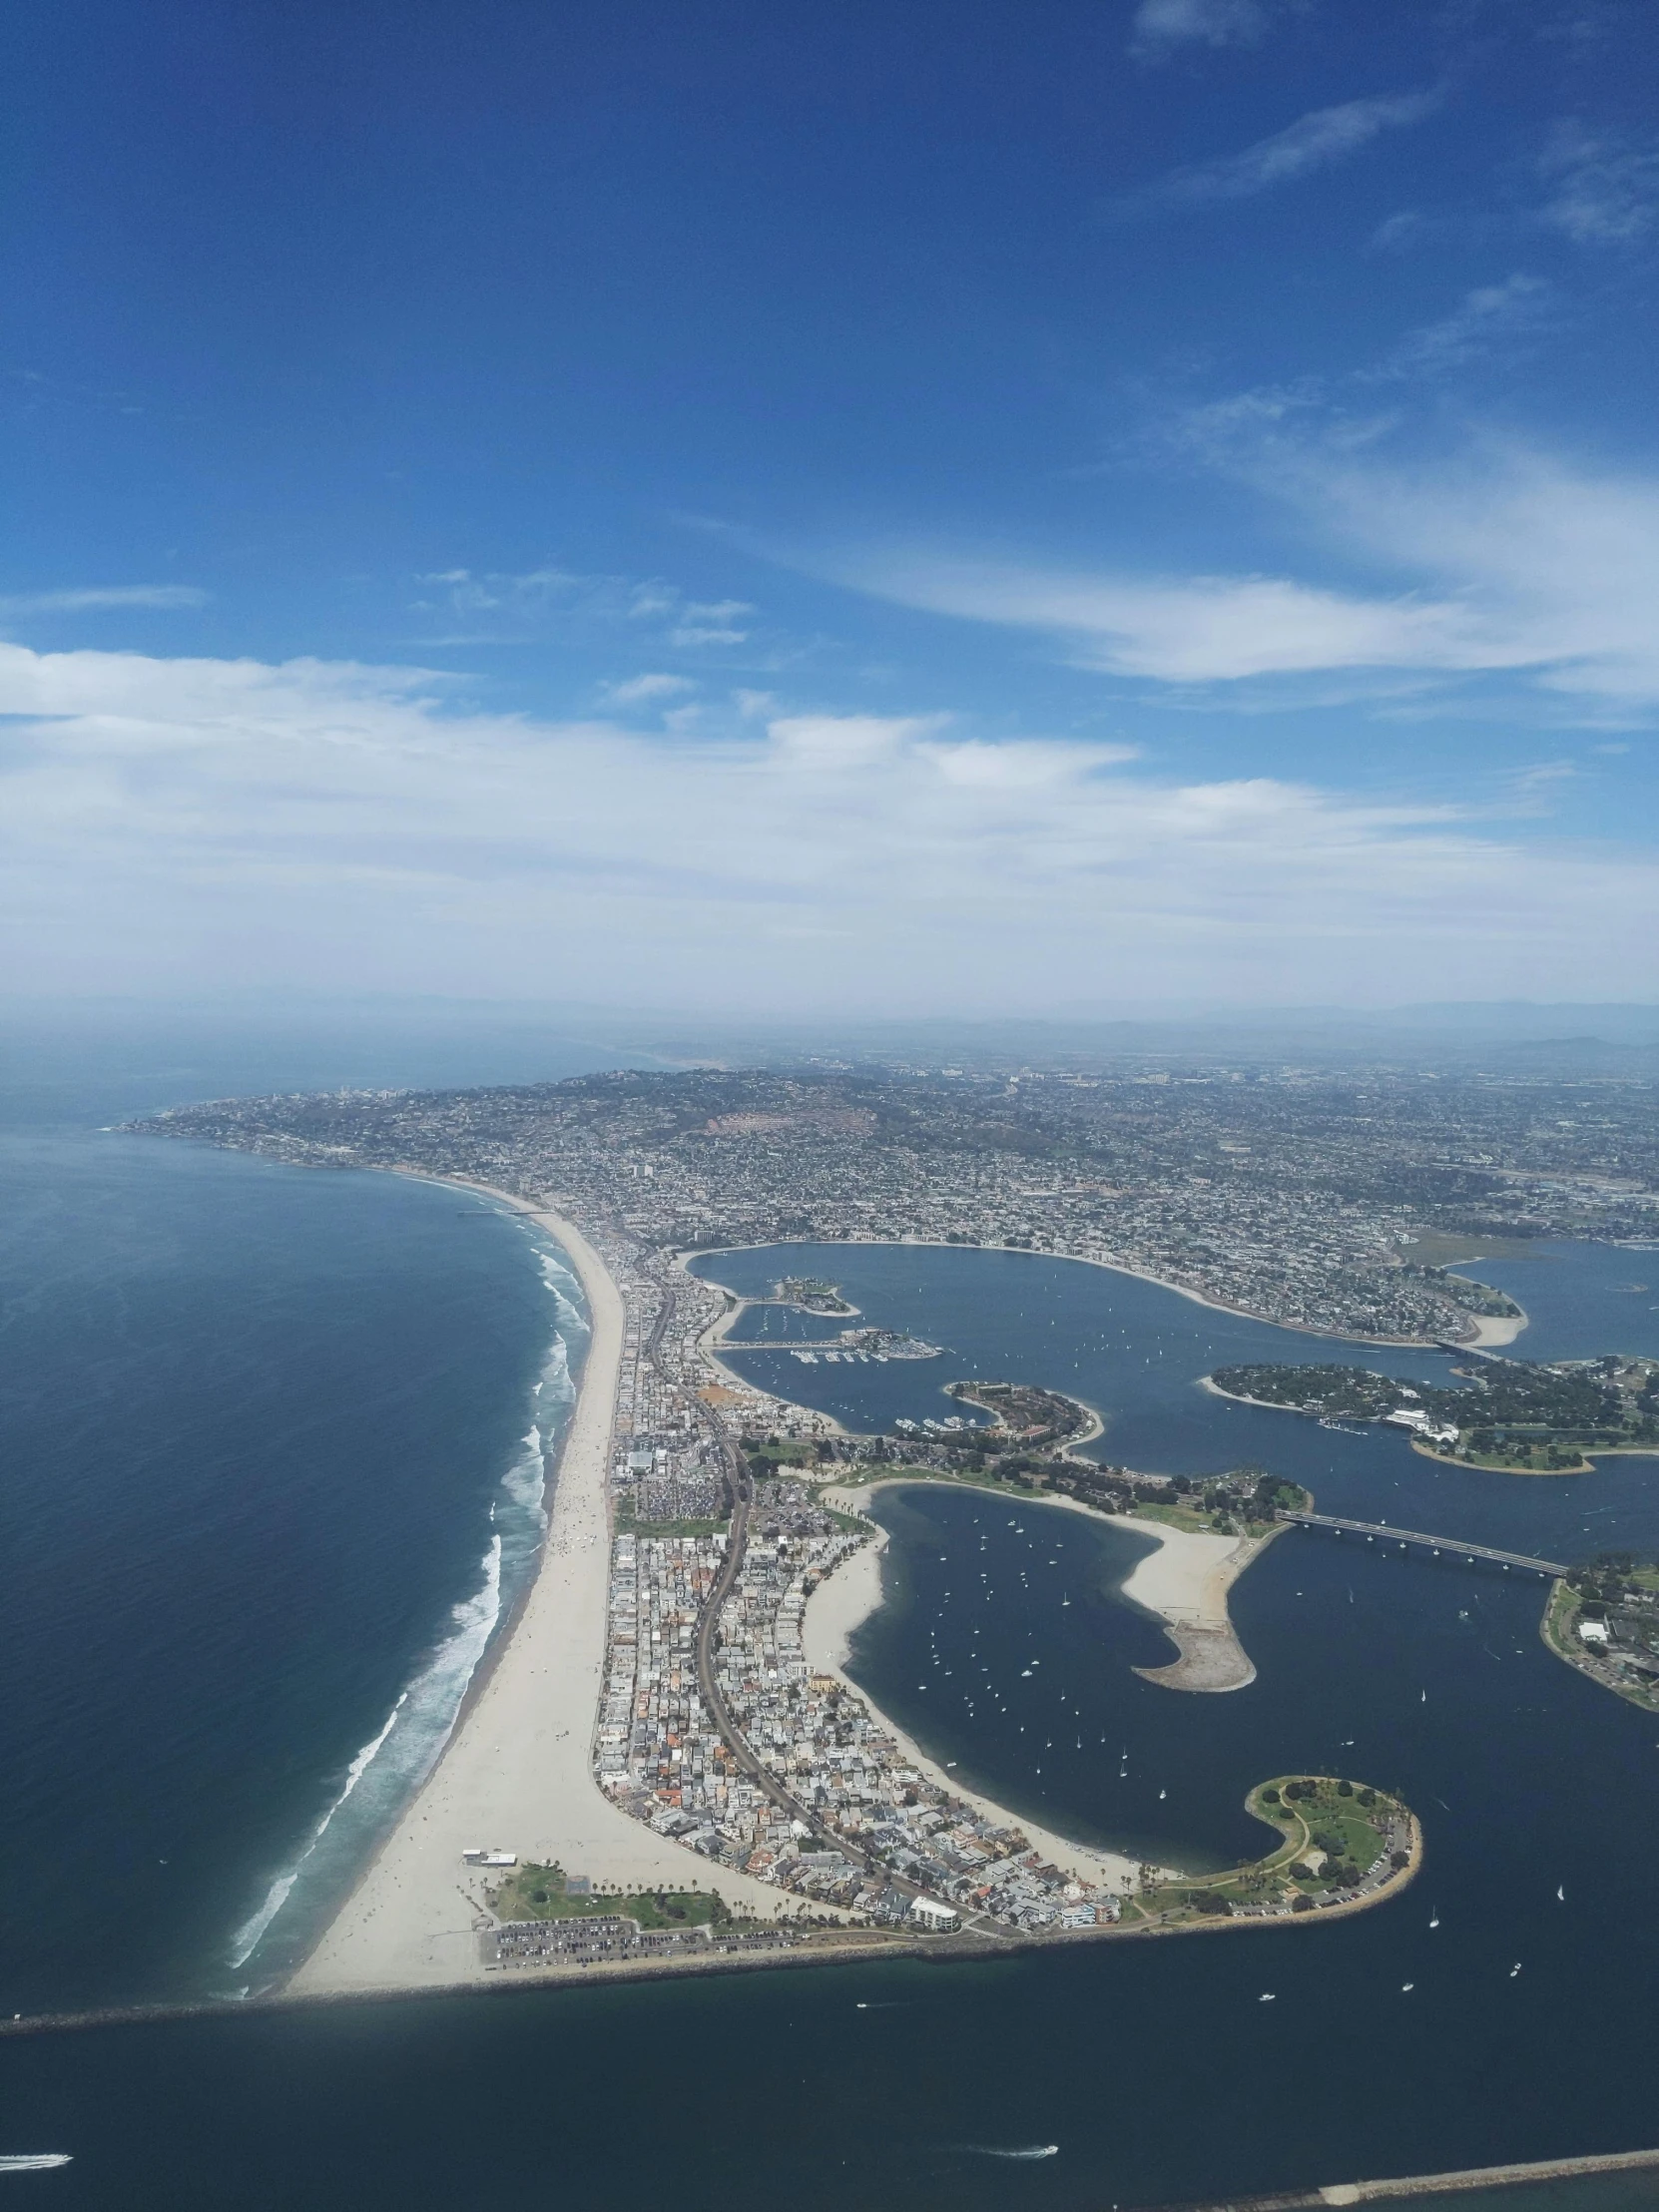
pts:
pixel 841 1813
pixel 1315 1201
pixel 726 1726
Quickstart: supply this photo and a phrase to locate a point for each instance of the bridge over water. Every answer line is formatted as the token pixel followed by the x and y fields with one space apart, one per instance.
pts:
pixel 1379 1531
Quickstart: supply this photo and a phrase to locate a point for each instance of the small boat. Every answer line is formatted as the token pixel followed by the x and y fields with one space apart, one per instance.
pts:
pixel 1406 1987
pixel 1561 1892
pixel 1267 1997
pixel 1514 1970
pixel 1436 1921
pixel 1162 1794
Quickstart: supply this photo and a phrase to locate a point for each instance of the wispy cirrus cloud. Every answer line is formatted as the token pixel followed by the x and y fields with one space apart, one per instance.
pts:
pixel 1510 563
pixel 1489 320
pixel 1198 629
pixel 502 607
pixel 1603 191
pixel 1313 142
pixel 644 691
pixel 1161 26
pixel 101 598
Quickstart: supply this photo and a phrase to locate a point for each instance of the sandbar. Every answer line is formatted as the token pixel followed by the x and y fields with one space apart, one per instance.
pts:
pixel 515 1771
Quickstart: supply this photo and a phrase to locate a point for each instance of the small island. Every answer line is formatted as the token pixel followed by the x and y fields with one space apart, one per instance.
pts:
pixel 811 1293
pixel 1603 1619
pixel 1515 1416
pixel 1342 1846
pixel 1026 1419
pixel 857 1345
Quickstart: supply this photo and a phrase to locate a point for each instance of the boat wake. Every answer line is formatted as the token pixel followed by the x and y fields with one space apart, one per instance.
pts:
pixel 32 2162
pixel 1023 2150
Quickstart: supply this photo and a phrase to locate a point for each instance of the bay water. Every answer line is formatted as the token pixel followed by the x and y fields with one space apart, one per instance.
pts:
pixel 268 1440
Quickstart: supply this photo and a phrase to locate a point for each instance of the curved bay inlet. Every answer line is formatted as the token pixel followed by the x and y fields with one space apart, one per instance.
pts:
pixel 1400 2041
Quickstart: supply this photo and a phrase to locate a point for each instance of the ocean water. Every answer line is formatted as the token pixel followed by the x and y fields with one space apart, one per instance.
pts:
pixel 274 1450
pixel 272 1416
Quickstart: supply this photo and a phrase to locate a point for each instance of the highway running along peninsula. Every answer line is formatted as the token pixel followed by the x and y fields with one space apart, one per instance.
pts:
pixel 663 1766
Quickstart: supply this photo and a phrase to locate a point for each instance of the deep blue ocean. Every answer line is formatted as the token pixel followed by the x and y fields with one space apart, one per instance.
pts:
pixel 269 1474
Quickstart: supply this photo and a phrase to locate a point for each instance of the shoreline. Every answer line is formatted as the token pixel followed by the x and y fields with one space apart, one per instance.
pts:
pixel 515 1770
pixel 1479 1341
pixel 853 1592
pixel 1183 1584
pixel 1586 1459
pixel 714 1337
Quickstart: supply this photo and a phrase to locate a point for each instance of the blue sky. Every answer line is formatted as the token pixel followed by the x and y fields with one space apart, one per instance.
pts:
pixel 879 509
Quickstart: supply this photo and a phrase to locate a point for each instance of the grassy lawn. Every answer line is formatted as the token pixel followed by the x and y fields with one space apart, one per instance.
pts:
pixel 539 1893
pixel 1197 1521
pixel 627 1525
pixel 1271 1879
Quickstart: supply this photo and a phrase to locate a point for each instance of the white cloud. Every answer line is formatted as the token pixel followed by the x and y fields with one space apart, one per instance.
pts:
pixel 1313 142
pixel 1160 25
pixel 710 622
pixel 640 690
pixel 1488 317
pixel 1603 191
pixel 195 825
pixel 1201 629
pixel 94 597
pixel 1508 562
pixel 500 606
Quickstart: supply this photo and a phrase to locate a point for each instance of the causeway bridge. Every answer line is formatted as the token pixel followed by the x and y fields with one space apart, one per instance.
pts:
pixel 1381 1532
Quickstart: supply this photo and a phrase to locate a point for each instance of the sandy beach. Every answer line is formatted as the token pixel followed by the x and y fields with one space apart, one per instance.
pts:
pixel 515 1773
pixel 1492 1330
pixel 1184 1582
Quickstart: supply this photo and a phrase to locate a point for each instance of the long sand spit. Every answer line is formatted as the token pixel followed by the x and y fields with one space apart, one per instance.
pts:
pixel 515 1773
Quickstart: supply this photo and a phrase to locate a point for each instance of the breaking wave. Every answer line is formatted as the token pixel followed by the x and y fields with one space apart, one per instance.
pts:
pixel 388 1770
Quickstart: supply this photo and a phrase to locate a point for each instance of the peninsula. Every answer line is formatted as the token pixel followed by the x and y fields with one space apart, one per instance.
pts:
pixel 1304 1202
pixel 1513 1416
pixel 1603 1619
pixel 666 1764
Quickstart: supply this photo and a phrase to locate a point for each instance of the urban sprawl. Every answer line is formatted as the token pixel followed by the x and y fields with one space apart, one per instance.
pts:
pixel 1297 1197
